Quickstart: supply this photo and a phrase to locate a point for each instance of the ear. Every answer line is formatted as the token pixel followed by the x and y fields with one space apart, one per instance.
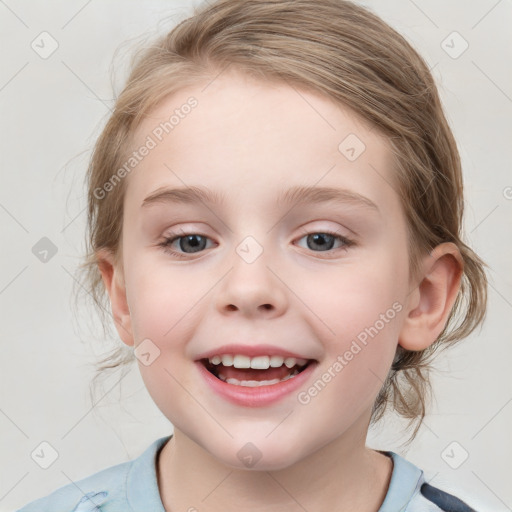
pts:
pixel 431 302
pixel 113 279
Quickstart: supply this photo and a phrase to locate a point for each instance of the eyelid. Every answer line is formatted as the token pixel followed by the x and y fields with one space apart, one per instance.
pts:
pixel 338 230
pixel 171 237
pixel 347 242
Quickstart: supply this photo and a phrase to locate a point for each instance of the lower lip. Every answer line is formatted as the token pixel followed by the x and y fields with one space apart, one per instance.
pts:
pixel 257 396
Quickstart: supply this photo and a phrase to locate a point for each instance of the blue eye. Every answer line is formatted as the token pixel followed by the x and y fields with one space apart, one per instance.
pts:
pixel 325 241
pixel 190 243
pixel 193 243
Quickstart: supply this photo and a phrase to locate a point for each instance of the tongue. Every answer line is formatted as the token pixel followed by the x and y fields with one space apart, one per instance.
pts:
pixel 230 372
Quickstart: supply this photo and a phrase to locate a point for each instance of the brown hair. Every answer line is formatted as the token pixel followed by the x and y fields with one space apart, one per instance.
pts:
pixel 350 55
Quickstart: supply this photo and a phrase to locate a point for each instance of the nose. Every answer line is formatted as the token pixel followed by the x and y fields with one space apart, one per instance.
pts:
pixel 252 288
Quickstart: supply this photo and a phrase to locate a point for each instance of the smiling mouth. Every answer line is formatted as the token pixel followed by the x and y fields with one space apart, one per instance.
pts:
pixel 251 377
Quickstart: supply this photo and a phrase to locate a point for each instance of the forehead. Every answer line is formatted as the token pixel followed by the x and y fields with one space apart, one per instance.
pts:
pixel 240 134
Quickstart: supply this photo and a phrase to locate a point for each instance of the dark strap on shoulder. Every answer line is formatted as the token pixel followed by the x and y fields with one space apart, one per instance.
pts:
pixel 443 500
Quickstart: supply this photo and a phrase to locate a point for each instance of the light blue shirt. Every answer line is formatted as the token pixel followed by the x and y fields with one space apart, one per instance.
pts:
pixel 133 487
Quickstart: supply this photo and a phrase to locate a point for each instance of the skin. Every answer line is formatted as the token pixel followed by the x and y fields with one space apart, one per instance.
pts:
pixel 250 140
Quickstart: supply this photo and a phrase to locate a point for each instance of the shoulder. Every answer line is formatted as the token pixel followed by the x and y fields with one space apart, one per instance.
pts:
pixel 108 489
pixel 409 492
pixel 94 489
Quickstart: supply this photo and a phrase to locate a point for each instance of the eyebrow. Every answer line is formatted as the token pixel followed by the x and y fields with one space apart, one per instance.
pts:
pixel 183 195
pixel 294 195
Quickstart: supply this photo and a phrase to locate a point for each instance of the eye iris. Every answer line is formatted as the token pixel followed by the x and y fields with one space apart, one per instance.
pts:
pixel 319 240
pixel 197 242
pixel 322 241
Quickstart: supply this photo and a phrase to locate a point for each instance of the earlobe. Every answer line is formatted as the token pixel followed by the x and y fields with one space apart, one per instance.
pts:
pixel 431 302
pixel 113 280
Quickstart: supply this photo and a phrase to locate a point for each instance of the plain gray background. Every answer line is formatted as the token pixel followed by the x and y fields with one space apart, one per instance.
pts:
pixel 53 107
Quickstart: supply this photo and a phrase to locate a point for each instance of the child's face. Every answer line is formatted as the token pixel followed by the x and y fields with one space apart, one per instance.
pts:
pixel 250 142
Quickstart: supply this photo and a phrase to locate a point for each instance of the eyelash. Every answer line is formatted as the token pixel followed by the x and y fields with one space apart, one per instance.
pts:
pixel 169 240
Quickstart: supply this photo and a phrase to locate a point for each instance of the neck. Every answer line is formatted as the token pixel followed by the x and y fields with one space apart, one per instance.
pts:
pixel 343 475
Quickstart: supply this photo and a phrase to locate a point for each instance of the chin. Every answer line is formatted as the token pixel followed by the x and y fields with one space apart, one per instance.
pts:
pixel 258 454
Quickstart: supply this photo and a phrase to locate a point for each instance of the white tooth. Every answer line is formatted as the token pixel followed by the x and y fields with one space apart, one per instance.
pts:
pixel 260 362
pixel 290 362
pixel 295 372
pixel 227 360
pixel 269 382
pixel 302 362
pixel 242 362
pixel 215 360
pixel 250 383
pixel 276 361
pixel 258 383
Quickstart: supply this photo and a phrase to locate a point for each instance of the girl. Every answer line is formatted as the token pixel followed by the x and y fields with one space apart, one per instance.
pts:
pixel 301 149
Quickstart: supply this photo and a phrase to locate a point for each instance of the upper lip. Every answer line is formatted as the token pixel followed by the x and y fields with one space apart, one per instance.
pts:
pixel 251 351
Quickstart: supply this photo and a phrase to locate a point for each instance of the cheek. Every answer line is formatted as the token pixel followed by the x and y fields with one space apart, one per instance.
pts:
pixel 344 301
pixel 357 314
pixel 160 299
pixel 356 365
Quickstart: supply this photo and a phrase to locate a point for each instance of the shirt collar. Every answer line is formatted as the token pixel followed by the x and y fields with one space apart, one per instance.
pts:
pixel 142 491
pixel 143 494
pixel 405 481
